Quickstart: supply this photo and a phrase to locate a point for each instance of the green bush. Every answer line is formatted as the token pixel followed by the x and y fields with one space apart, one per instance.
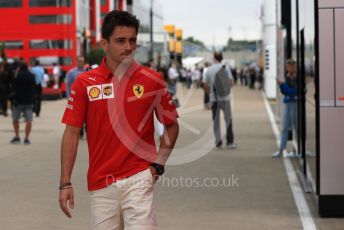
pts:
pixel 95 56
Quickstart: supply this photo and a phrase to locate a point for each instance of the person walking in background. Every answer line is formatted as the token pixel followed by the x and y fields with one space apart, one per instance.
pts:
pixel 74 73
pixel 196 76
pixel 246 75
pixel 172 90
pixel 234 74
pixel 24 86
pixel 188 78
pixel 62 78
pixel 218 83
pixel 46 79
pixel 206 95
pixel 261 78
pixel 6 77
pixel 70 79
pixel 56 75
pixel 289 90
pixel 253 76
pixel 173 73
pixel 38 71
pixel 171 87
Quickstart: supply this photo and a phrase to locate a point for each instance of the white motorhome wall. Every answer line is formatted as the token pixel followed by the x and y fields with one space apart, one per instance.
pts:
pixel 270 47
pixel 330 56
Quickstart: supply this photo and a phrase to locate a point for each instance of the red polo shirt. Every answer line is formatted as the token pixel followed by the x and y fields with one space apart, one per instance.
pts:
pixel 119 117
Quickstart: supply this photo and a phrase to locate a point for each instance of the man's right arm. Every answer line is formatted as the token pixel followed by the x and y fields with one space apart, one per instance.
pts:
pixel 69 147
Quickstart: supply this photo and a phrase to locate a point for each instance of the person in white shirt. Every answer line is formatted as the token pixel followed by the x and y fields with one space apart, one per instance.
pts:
pixel 56 75
pixel 206 95
pixel 173 73
pixel 46 79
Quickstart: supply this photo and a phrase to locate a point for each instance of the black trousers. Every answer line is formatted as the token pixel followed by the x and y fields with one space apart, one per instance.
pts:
pixel 206 99
pixel 3 101
pixel 38 99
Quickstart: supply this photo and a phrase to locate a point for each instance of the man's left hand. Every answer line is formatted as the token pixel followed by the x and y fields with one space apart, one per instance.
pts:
pixel 154 174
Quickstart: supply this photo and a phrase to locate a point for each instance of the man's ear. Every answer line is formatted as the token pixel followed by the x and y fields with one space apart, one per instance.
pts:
pixel 104 44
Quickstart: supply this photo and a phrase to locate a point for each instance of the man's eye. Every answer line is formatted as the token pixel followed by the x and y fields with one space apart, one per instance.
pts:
pixel 121 41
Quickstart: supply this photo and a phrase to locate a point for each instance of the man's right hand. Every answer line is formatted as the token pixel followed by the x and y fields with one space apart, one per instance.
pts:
pixel 66 195
pixel 279 81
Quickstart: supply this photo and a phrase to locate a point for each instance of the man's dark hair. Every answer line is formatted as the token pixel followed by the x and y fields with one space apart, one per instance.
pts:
pixel 218 56
pixel 118 18
pixel 23 66
pixel 164 71
pixel 37 63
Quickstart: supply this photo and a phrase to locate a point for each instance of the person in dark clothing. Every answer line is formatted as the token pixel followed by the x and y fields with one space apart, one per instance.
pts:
pixel 62 77
pixel 6 76
pixel 252 77
pixel 234 74
pixel 23 99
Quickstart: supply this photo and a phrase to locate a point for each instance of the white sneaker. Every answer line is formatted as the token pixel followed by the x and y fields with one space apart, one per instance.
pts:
pixel 292 154
pixel 310 154
pixel 231 146
pixel 277 154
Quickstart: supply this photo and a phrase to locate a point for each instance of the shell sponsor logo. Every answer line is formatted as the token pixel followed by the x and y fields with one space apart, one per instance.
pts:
pixel 99 92
pixel 94 92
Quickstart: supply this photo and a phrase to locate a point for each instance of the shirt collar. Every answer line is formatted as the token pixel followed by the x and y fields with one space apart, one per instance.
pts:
pixel 104 70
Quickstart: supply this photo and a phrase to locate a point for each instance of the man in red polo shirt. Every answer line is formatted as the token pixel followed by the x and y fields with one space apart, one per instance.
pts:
pixel 117 101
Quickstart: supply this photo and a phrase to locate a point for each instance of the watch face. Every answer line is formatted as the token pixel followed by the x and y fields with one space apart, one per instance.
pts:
pixel 159 169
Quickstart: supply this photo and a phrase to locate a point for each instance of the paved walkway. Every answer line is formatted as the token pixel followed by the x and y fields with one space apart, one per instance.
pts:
pixel 224 189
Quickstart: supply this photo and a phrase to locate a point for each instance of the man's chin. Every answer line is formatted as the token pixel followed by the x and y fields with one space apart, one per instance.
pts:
pixel 127 58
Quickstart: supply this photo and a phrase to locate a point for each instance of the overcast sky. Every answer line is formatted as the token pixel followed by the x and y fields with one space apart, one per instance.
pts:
pixel 210 20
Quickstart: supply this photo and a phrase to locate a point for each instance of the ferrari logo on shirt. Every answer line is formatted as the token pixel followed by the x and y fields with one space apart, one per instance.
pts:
pixel 138 90
pixel 93 92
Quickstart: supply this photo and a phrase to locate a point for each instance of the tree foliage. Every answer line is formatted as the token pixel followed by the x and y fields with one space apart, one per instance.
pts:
pixel 95 56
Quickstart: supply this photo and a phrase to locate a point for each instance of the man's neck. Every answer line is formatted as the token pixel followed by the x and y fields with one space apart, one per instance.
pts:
pixel 111 65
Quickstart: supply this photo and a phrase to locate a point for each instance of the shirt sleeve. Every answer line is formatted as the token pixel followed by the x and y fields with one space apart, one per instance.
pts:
pixel 204 75
pixel 206 78
pixel 75 111
pixel 230 76
pixel 165 108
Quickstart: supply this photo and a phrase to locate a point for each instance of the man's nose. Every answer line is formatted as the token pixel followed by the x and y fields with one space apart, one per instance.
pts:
pixel 128 45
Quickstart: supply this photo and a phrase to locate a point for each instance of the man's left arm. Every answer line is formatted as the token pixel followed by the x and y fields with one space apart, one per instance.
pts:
pixel 167 114
pixel 167 143
pixel 230 75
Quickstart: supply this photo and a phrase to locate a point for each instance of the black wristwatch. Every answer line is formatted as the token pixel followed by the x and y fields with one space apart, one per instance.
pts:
pixel 160 169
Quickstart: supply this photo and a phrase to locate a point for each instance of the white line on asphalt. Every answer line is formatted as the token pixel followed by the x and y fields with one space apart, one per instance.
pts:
pixel 300 201
pixel 189 127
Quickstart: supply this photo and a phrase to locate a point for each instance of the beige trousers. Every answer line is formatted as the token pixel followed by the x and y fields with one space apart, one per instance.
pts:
pixel 127 204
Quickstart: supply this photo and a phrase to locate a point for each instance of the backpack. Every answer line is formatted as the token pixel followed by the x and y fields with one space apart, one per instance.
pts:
pixel 222 86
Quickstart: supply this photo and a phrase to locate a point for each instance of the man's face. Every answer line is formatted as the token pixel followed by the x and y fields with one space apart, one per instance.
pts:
pixel 81 63
pixel 291 68
pixel 121 43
